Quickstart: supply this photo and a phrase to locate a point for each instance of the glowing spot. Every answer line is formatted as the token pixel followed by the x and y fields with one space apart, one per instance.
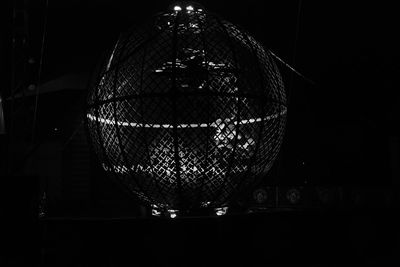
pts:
pixel 221 211
pixel 177 8
pixel 205 203
pixel 155 212
pixel 173 213
pixel 189 8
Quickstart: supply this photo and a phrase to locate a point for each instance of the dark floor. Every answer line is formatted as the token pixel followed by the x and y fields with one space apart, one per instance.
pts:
pixel 312 238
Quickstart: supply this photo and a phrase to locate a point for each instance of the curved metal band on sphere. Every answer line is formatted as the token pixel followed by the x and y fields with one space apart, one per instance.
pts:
pixel 188 111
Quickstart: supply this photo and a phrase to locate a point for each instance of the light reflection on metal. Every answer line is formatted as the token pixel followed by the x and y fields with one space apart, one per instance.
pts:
pixel 168 169
pixel 216 124
pixel 177 8
pixel 111 57
pixel 173 213
pixel 205 204
pixel 221 211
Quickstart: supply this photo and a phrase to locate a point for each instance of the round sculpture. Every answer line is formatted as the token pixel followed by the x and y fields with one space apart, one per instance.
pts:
pixel 188 111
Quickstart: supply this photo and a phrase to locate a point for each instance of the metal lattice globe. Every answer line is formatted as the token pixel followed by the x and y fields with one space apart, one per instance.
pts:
pixel 187 111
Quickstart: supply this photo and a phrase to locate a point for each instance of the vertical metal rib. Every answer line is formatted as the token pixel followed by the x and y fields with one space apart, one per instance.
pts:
pixel 144 136
pixel 96 106
pixel 208 134
pixel 174 95
pixel 117 128
pixel 218 196
pixel 262 115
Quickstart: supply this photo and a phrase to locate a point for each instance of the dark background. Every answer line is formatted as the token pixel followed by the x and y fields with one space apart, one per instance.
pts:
pixel 341 131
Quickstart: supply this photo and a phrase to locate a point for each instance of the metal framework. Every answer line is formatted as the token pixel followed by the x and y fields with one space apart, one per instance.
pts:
pixel 188 111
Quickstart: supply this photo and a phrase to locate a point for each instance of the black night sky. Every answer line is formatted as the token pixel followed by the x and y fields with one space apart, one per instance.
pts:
pixel 342 130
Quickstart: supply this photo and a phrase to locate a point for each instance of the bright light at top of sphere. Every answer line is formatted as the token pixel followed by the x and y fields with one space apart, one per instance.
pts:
pixel 177 8
pixel 188 8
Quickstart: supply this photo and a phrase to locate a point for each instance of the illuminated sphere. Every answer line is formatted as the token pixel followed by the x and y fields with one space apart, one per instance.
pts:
pixel 188 110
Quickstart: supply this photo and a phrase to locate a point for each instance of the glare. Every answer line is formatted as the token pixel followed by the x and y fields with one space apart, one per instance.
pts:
pixel 177 8
pixel 189 8
pixel 172 213
pixel 155 212
pixel 221 211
